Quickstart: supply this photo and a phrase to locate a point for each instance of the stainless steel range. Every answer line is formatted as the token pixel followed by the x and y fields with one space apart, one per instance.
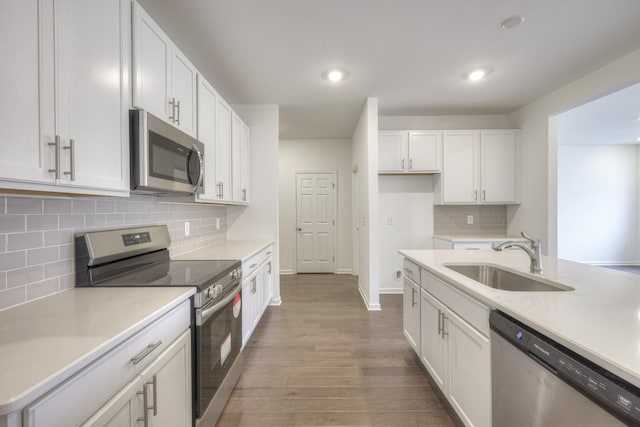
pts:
pixel 140 257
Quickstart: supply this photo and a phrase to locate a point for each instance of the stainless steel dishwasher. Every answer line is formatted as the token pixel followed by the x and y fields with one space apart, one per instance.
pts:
pixel 538 382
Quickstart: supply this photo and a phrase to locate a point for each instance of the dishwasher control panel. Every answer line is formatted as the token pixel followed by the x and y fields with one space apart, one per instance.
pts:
pixel 619 397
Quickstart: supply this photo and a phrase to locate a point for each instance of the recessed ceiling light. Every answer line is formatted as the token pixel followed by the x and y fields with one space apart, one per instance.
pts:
pixel 478 74
pixel 512 22
pixel 335 75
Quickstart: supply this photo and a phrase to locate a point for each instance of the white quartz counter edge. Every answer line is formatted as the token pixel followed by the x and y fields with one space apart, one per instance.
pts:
pixel 228 249
pixel 463 238
pixel 600 320
pixel 44 342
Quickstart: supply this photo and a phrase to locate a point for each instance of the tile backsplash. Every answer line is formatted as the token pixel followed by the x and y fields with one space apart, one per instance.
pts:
pixel 487 219
pixel 36 236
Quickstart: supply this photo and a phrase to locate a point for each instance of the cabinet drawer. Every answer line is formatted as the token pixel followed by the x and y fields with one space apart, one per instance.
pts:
pixel 473 312
pixel 411 270
pixel 251 264
pixel 77 398
pixel 266 253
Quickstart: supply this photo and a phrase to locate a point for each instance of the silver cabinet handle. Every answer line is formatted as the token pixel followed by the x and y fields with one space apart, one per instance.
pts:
pixel 144 353
pixel 268 253
pixel 253 290
pixel 244 194
pixel 269 270
pixel 410 164
pixel 145 404
pixel 475 195
pixel 178 116
pixel 172 117
pixel 413 297
pixel 72 159
pixel 408 270
pixel 252 266
pixel 439 323
pixel 154 383
pixel 444 330
pixel 56 147
pixel 484 195
pixel 145 400
pixel 402 164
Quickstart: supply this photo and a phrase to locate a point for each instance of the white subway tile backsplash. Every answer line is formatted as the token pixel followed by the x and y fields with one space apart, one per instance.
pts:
pixel 83 206
pixel 23 205
pixel 12 297
pixel 18 241
pixel 42 222
pixel 22 276
pixel 42 255
pixel 38 263
pixel 71 221
pixel 13 223
pixel 57 206
pixel 12 260
pixel 488 219
pixel 40 289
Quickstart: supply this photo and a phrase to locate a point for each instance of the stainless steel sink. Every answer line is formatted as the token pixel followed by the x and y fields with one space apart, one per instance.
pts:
pixel 498 278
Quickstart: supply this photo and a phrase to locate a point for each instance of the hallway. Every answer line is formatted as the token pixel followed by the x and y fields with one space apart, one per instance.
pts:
pixel 321 359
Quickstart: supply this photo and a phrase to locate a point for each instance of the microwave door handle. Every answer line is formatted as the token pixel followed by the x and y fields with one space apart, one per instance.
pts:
pixel 201 170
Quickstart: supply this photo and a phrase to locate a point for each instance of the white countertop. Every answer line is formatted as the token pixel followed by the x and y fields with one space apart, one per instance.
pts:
pixel 600 320
pixel 46 341
pixel 459 238
pixel 227 249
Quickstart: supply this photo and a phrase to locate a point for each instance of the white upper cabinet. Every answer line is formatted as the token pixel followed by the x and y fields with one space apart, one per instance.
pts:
pixel 240 158
pixel 207 99
pixel 478 167
pixel 67 89
pixel 409 151
pixel 224 115
pixel 164 81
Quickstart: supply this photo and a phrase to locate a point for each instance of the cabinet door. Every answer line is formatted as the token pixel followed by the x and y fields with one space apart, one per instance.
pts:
pixel 245 162
pixel 151 56
pixel 223 150
pixel 267 282
pixel 256 299
pixel 183 93
pixel 411 313
pixel 167 381
pixel 392 151
pixel 433 347
pixel 27 109
pixel 122 410
pixel 207 135
pixel 236 158
pixel 469 373
pixel 91 67
pixel 498 166
pixel 425 151
pixel 247 306
pixel 460 165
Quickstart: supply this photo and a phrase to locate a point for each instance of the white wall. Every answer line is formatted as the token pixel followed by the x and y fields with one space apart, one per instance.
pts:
pixel 598 203
pixel 302 155
pixel 406 222
pixel 365 161
pixel 259 220
pixel 487 121
pixel 537 213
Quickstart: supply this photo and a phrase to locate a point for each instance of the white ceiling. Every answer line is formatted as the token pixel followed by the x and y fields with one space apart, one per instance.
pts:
pixel 410 54
pixel 611 119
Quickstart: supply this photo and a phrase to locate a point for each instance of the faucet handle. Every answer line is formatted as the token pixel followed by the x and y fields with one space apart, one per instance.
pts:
pixel 532 240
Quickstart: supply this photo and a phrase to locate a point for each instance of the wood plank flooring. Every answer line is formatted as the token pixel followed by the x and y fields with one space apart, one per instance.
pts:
pixel 322 359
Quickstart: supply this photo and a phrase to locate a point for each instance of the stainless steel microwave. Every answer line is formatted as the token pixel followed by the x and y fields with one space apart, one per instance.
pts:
pixel 164 160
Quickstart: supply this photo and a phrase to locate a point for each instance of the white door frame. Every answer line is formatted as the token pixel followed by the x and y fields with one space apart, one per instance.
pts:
pixel 335 214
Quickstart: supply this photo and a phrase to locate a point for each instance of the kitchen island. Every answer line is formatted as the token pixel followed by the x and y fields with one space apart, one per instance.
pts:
pixel 599 319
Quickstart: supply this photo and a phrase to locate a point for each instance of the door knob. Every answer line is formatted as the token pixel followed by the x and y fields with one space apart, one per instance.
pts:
pixel 299 229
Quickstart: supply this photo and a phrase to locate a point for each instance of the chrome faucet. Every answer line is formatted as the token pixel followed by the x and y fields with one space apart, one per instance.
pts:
pixel 533 249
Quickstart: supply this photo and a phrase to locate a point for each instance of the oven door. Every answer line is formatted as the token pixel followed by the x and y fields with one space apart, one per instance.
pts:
pixel 163 158
pixel 218 361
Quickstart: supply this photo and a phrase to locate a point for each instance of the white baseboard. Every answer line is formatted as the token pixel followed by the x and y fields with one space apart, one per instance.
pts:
pixel 367 303
pixel 391 291
pixel 287 272
pixel 276 302
pixel 344 271
pixel 613 262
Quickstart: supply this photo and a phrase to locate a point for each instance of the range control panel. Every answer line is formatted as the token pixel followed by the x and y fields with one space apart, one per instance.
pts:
pixel 613 393
pixel 136 238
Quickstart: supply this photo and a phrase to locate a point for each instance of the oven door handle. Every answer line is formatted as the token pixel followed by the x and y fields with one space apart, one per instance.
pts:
pixel 203 314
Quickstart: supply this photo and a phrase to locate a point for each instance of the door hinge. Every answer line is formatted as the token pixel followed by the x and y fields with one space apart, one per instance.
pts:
pixel 333 185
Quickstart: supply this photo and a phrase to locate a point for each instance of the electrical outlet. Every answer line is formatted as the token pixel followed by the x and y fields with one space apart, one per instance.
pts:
pixel 390 220
pixel 217 223
pixel 398 275
pixel 186 228
pixel 469 219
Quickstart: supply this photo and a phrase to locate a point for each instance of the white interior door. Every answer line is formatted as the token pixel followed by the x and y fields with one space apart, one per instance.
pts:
pixel 315 222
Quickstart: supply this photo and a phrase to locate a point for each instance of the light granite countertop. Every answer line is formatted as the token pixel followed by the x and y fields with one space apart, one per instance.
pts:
pixel 461 238
pixel 228 249
pixel 599 320
pixel 44 342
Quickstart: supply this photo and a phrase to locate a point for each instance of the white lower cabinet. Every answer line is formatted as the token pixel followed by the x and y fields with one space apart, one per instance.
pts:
pixel 456 354
pixel 153 366
pixel 257 290
pixel 411 313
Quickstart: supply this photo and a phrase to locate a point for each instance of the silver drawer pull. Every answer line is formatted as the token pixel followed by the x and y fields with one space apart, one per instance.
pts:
pixel 252 266
pixel 269 253
pixel 144 353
